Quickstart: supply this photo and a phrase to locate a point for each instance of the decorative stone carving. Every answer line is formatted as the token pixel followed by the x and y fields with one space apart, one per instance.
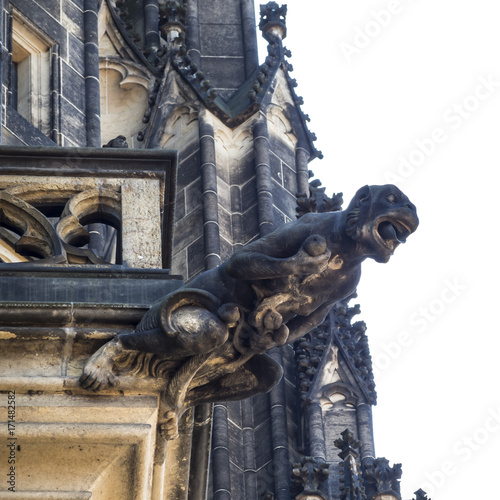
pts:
pixel 318 201
pixel 351 478
pixel 128 79
pixel 309 474
pixel 273 19
pixel 172 19
pixel 421 495
pixel 27 232
pixel 382 479
pixel 93 205
pixel 31 234
pixel 377 479
pixel 209 339
pixel 353 342
pixel 309 352
pixel 124 96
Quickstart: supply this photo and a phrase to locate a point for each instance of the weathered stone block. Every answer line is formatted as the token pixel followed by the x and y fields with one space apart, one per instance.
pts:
pixel 237 481
pixel 188 229
pixel 235 199
pixel 73 87
pixel 221 40
pixel 211 12
pixel 263 441
pixel 276 170
pixel 25 131
pixel 76 49
pixel 250 226
pixel 180 205
pixel 73 123
pixel 249 195
pixel 242 170
pixel 193 196
pixel 141 223
pixel 289 180
pixel 45 22
pixel 195 258
pixel 72 18
pixel 224 73
pixel 235 443
pixel 189 169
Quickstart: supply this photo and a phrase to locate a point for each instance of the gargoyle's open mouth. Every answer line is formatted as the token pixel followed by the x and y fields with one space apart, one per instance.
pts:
pixel 392 233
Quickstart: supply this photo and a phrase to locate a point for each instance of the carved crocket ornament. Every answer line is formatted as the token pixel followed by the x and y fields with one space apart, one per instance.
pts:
pixel 210 337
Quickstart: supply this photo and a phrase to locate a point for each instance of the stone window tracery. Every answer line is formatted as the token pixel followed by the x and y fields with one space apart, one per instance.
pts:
pixel 52 225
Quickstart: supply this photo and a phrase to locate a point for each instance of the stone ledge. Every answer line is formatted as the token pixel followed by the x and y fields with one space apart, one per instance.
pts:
pixel 31 315
pixel 25 385
pixel 68 284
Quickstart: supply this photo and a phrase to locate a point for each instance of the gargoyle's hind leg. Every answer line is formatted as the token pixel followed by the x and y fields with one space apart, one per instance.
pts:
pixel 196 331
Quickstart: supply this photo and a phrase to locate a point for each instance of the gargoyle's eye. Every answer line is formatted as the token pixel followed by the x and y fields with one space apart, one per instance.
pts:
pixel 392 198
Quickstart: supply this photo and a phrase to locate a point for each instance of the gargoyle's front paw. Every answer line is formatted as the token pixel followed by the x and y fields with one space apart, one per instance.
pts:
pixel 96 377
pixel 97 372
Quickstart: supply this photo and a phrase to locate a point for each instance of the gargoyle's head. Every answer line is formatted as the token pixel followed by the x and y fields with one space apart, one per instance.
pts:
pixel 379 218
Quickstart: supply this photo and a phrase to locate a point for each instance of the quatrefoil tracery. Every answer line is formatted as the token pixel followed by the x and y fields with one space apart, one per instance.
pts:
pixel 50 225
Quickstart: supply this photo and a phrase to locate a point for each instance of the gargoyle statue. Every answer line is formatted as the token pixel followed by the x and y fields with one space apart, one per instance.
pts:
pixel 212 335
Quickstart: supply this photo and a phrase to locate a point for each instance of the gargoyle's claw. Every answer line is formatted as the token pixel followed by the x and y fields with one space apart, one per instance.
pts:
pixel 97 373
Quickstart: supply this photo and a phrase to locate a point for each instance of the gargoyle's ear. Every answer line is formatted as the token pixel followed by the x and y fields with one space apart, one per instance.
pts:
pixel 363 194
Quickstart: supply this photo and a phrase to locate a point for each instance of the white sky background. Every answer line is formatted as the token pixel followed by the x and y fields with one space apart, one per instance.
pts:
pixel 430 311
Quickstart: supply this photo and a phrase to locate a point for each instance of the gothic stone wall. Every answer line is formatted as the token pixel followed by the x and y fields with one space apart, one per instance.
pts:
pixel 61 24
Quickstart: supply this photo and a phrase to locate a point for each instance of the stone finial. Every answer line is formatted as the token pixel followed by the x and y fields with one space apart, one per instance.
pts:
pixel 347 444
pixel 382 479
pixel 318 201
pixel 352 481
pixel 420 494
pixel 309 474
pixel 273 20
pixel 172 19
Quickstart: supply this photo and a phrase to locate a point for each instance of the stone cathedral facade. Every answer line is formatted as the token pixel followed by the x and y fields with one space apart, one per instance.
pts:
pixel 143 142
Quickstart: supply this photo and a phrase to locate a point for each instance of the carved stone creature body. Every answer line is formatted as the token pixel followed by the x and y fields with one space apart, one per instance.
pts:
pixel 215 332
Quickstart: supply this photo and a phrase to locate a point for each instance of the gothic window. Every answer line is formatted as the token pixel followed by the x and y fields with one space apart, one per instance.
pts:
pixel 30 73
